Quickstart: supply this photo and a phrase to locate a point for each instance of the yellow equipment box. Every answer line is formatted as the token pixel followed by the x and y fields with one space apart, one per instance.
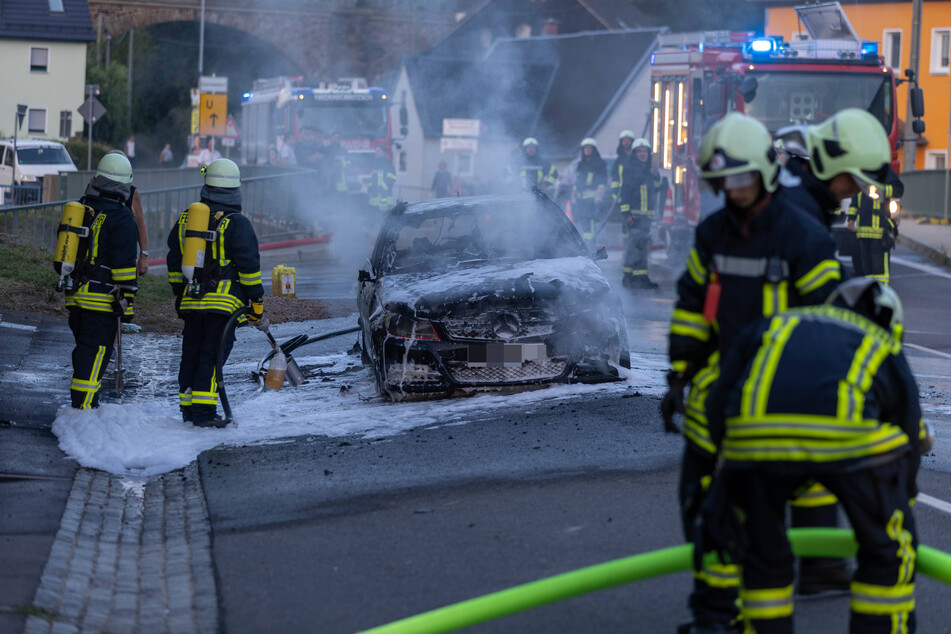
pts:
pixel 284 281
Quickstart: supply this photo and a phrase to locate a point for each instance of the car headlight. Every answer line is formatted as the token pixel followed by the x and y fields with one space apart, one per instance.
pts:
pixel 27 178
pixel 894 206
pixel 407 328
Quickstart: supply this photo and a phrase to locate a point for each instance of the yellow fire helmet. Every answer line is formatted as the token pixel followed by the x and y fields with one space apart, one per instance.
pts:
pixel 116 167
pixel 222 173
pixel 851 141
pixel 738 144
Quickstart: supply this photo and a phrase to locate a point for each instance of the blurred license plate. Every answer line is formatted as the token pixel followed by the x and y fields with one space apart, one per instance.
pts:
pixel 498 355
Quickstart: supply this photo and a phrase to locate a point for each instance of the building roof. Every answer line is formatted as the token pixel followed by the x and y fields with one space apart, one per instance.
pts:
pixel 593 71
pixel 499 18
pixel 33 20
pixel 506 97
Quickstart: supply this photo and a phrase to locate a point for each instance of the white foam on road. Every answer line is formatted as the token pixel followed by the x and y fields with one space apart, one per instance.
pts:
pixel 149 438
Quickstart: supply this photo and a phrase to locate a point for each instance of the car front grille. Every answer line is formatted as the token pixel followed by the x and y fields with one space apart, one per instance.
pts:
pixel 530 371
pixel 533 323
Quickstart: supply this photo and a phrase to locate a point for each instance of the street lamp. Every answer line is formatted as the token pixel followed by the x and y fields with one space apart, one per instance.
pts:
pixel 18 122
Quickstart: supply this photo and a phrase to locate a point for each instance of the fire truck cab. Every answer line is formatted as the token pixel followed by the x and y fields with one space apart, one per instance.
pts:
pixel 697 78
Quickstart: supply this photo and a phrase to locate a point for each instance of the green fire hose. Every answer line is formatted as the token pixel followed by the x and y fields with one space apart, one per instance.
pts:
pixel 806 542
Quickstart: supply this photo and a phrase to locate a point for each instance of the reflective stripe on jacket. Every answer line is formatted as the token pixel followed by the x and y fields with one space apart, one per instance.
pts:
pixel 819 384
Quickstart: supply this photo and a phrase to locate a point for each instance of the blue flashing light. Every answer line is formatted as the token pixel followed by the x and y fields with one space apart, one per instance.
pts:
pixel 652 58
pixel 869 49
pixel 247 96
pixel 761 46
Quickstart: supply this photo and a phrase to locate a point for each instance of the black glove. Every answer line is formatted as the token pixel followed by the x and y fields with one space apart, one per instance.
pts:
pixel 673 402
pixel 719 528
pixel 122 306
pixel 178 307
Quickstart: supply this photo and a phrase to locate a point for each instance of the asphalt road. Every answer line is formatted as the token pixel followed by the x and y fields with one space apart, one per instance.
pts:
pixel 337 535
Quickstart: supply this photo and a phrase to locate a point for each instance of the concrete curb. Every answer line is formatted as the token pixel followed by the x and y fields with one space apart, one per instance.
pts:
pixel 935 255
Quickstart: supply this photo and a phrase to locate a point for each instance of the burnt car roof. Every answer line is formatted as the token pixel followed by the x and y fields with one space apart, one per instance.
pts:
pixel 468 203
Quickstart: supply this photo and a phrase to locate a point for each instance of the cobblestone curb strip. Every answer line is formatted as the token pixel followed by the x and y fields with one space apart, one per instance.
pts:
pixel 130 556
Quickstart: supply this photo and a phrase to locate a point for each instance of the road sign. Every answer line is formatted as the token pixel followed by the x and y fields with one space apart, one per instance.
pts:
pixel 213 114
pixel 194 127
pixel 92 113
pixel 458 144
pixel 227 141
pixel 461 127
pixel 215 85
pixel 231 129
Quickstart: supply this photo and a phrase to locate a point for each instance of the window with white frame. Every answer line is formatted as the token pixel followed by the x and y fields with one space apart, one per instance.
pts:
pixel 464 164
pixel 940 51
pixel 39 59
pixel 36 121
pixel 891 48
pixel 936 159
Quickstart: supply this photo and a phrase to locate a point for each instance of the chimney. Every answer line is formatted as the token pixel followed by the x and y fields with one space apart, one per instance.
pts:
pixel 550 27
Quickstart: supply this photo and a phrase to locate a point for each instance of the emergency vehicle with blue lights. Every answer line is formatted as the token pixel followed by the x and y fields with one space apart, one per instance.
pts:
pixel 284 106
pixel 697 78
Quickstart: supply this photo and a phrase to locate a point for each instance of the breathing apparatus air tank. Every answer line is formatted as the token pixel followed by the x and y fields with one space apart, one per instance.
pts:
pixel 71 231
pixel 193 251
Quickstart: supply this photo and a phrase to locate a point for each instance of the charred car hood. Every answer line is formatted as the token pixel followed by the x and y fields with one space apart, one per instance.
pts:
pixel 432 293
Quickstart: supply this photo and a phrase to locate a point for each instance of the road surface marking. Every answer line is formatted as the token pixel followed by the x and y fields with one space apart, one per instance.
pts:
pixel 7 324
pixel 924 349
pixel 941 505
pixel 931 269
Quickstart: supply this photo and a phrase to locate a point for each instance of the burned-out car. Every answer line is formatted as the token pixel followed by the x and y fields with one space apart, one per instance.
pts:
pixel 483 293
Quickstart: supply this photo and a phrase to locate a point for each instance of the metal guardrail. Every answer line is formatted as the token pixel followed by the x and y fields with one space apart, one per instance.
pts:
pixel 280 207
pixel 20 194
pixel 925 193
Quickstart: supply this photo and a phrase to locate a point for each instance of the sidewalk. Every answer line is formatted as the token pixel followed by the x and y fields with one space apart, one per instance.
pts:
pixel 931 240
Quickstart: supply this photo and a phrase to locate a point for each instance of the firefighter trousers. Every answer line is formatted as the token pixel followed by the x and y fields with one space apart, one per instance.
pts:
pixel 197 374
pixel 95 335
pixel 876 500
pixel 713 601
pixel 585 214
pixel 638 242
pixel 874 259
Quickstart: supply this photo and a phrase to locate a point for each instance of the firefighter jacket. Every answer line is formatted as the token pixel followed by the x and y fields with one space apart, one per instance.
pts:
pixel 105 264
pixel 532 171
pixel 231 276
pixel 591 178
pixel 380 188
pixel 733 279
pixel 870 210
pixel 633 185
pixel 819 385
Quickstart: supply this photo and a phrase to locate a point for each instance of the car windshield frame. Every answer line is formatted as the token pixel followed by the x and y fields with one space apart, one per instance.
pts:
pixel 43 155
pixel 462 235
pixel 819 95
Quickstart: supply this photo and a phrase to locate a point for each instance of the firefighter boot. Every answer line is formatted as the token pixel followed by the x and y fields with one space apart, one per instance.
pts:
pixel 820 575
pixel 628 281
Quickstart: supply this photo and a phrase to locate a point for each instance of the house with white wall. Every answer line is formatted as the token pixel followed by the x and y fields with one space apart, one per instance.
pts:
pixel 43 51
pixel 558 89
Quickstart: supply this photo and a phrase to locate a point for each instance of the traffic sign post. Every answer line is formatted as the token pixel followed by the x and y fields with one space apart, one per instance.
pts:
pixel 212 114
pixel 91 110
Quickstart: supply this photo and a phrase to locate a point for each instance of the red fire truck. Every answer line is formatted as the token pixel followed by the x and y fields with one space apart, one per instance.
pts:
pixel 282 107
pixel 696 78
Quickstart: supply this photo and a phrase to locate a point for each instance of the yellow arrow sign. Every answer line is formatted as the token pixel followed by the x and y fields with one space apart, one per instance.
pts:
pixel 213 114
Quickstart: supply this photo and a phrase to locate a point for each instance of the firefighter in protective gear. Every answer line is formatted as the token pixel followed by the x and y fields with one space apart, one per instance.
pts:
pixel 229 280
pixel 591 178
pixel 382 179
pixel 859 434
pixel 103 282
pixel 755 257
pixel 871 220
pixel 531 169
pixel 634 185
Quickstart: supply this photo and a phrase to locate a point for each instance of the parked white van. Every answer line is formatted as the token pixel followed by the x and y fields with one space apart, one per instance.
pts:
pixel 34 159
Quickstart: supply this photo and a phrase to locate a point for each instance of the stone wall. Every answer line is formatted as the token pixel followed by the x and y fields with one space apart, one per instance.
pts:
pixel 326 43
